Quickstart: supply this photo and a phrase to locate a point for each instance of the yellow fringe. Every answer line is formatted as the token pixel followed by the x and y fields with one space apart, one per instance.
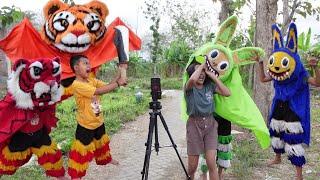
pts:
pixel 77 166
pixel 12 156
pixel 51 149
pixel 55 166
pixel 103 157
pixel 102 141
pixel 7 168
pixel 82 149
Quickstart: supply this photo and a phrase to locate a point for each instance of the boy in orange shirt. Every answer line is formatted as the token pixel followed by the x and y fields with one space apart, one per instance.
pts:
pixel 91 139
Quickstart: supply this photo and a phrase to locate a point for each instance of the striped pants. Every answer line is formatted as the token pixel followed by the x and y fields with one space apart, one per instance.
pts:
pixel 287 133
pixel 19 149
pixel 88 144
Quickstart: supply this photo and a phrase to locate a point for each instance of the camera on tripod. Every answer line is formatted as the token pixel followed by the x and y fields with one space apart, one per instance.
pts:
pixel 155 88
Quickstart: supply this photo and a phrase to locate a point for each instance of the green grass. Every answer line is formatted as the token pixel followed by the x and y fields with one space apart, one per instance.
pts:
pixel 166 83
pixel 247 156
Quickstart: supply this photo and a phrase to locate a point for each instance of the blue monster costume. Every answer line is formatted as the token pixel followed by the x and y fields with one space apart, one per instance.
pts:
pixel 289 120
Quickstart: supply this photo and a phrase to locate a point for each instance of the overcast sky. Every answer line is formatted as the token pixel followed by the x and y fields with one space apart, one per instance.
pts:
pixel 130 11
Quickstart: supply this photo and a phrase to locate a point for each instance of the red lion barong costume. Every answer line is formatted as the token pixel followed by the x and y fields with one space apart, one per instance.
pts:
pixel 68 30
pixel 27 114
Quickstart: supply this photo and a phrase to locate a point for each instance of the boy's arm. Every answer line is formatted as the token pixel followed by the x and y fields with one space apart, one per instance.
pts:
pixel 220 87
pixel 263 77
pixel 194 77
pixel 314 80
pixel 110 87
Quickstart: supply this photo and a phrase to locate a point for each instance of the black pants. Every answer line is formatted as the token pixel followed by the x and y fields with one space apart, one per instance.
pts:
pixel 22 141
pixel 85 136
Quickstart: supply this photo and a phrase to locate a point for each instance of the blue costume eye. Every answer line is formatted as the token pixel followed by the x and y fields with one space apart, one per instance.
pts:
pixel 271 60
pixel 285 62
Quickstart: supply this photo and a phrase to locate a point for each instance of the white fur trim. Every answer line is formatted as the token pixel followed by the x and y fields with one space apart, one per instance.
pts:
pixel 277 143
pixel 224 163
pixel 294 150
pixel 23 100
pixel 40 88
pixel 56 93
pixel 224 147
pixel 277 125
pixel 125 38
pixel 293 127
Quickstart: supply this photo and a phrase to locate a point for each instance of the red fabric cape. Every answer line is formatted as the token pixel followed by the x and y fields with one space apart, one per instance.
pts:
pixel 25 42
pixel 13 119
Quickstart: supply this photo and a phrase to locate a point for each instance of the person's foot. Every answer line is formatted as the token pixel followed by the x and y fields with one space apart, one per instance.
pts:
pixel 114 162
pixel 274 161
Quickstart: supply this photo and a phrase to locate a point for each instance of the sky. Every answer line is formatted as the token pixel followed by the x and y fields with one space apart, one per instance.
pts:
pixel 131 12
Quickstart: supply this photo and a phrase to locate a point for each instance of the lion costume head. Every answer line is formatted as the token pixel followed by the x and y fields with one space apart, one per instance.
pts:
pixel 74 29
pixel 35 83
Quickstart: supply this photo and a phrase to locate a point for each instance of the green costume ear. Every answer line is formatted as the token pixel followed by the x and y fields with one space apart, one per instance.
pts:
pixel 226 31
pixel 247 55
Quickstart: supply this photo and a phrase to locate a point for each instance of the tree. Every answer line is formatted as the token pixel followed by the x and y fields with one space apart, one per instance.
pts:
pixel 187 22
pixel 152 13
pixel 298 7
pixel 229 7
pixel 262 92
pixel 8 17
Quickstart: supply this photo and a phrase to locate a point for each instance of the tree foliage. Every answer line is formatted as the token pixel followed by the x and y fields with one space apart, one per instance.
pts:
pixel 152 13
pixel 9 16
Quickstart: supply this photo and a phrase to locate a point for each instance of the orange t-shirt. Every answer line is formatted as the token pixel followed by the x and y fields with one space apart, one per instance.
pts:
pixel 89 113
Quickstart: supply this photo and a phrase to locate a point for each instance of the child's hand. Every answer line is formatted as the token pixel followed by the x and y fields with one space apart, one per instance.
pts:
pixel 122 82
pixel 211 74
pixel 313 62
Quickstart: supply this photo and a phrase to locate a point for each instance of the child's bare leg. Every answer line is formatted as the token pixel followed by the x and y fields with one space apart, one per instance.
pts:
pixel 220 172
pixel 192 165
pixel 299 173
pixel 210 159
pixel 203 176
pixel 276 160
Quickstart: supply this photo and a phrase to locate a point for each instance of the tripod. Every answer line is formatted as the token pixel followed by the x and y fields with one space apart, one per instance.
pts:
pixel 153 126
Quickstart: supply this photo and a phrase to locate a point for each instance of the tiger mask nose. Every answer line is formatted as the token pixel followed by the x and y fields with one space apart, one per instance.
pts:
pixel 78 32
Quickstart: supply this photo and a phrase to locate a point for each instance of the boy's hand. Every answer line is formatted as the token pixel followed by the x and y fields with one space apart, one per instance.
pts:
pixel 122 82
pixel 313 62
pixel 210 74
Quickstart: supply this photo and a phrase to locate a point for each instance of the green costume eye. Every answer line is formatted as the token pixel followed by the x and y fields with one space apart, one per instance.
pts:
pixel 214 54
pixel 271 60
pixel 223 65
pixel 285 62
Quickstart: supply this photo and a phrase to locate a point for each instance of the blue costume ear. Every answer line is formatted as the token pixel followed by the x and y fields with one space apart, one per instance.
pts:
pixel 277 37
pixel 292 38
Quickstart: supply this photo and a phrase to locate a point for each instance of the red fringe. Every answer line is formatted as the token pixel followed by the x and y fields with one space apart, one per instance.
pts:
pixel 75 174
pixel 77 157
pixel 6 172
pixel 15 163
pixel 99 152
pixel 56 173
pixel 104 161
pixel 52 158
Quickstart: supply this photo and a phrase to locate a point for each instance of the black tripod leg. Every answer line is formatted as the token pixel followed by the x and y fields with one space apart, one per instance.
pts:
pixel 156 136
pixel 148 144
pixel 173 144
